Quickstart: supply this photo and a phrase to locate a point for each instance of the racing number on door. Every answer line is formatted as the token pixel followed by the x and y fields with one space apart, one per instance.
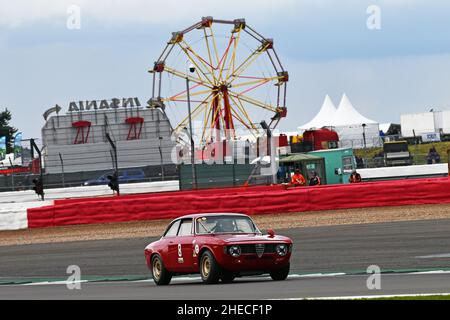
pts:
pixel 180 254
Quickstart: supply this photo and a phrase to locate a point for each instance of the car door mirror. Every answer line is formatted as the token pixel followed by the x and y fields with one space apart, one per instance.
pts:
pixel 271 233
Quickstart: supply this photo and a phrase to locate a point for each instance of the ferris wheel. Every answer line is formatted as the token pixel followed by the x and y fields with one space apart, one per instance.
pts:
pixel 233 79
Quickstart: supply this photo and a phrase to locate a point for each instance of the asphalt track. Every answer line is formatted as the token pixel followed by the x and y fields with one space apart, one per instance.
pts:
pixel 403 247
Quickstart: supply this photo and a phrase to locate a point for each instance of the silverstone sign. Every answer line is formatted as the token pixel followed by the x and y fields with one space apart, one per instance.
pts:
pixel 115 103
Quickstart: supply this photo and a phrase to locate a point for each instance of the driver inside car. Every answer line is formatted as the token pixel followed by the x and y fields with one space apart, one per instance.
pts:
pixel 224 226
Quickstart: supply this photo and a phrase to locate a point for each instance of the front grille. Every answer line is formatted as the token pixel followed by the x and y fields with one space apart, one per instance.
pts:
pixel 251 248
pixel 259 247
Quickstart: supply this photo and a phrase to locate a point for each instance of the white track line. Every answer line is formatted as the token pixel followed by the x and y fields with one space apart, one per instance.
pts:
pixel 373 296
pixel 432 256
pixel 431 272
pixel 45 283
pixel 197 278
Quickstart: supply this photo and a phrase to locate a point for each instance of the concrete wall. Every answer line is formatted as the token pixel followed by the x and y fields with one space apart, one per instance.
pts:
pixel 387 173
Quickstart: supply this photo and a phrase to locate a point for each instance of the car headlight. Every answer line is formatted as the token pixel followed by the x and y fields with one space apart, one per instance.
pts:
pixel 234 251
pixel 282 249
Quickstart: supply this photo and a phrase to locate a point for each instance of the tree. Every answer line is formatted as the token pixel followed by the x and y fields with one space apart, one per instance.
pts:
pixel 7 130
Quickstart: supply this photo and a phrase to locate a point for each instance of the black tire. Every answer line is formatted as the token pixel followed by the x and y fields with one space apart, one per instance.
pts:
pixel 280 274
pixel 209 269
pixel 227 277
pixel 160 274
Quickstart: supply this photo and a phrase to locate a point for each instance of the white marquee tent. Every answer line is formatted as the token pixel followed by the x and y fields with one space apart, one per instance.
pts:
pixel 350 125
pixel 324 117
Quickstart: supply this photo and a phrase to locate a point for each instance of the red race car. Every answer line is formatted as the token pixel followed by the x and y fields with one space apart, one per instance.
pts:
pixel 219 246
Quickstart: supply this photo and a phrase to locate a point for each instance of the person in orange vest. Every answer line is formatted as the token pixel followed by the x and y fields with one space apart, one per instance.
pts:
pixel 315 180
pixel 298 179
pixel 355 177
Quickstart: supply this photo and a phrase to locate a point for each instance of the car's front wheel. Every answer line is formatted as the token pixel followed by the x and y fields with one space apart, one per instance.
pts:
pixel 209 268
pixel 160 274
pixel 281 273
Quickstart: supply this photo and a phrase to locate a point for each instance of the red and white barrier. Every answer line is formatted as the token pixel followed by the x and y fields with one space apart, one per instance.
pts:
pixel 250 200
pixel 14 205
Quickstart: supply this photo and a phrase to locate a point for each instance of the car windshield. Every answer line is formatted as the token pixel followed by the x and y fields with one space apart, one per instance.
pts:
pixel 225 224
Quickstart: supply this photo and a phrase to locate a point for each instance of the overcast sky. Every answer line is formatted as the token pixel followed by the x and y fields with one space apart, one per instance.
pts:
pixel 325 45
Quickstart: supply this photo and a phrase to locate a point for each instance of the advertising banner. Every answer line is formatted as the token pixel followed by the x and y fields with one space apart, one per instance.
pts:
pixel 2 148
pixel 18 145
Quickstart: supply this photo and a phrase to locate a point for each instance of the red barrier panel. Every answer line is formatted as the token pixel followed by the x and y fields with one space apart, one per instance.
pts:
pixel 251 200
pixel 227 190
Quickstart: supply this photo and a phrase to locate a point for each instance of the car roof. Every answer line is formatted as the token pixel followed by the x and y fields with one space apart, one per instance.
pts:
pixel 198 215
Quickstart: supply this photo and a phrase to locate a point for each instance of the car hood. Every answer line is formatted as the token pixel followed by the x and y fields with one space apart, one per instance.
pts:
pixel 245 238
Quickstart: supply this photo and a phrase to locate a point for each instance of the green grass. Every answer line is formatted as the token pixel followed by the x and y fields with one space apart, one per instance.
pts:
pixel 418 151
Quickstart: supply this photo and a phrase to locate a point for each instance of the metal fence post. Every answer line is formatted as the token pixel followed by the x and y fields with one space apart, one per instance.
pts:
pixel 161 159
pixel 62 169
pixel 114 158
pixel 12 174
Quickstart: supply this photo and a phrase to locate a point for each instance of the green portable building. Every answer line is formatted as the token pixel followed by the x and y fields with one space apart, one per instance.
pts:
pixel 307 163
pixel 339 164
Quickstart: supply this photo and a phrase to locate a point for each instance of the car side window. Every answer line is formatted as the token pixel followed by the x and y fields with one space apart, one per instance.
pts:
pixel 185 228
pixel 173 229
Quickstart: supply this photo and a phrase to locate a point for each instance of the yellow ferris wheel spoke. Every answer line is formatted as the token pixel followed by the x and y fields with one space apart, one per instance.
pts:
pixel 262 80
pixel 247 62
pixel 253 101
pixel 224 59
pixel 238 117
pixel 211 64
pixel 194 113
pixel 214 44
pixel 232 63
pixel 241 108
pixel 198 68
pixel 182 97
pixel 200 59
pixel 216 113
pixel 181 74
pixel 205 120
pixel 250 126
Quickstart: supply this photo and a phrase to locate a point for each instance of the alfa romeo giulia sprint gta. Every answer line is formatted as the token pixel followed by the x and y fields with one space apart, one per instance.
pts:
pixel 219 246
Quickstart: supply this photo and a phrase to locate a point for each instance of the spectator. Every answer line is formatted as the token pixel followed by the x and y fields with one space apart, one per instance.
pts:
pixel 315 180
pixel 359 162
pixel 433 156
pixel 379 154
pixel 355 177
pixel 298 179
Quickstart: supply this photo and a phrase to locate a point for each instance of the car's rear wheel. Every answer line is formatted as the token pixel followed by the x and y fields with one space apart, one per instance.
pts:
pixel 280 274
pixel 227 277
pixel 209 269
pixel 160 274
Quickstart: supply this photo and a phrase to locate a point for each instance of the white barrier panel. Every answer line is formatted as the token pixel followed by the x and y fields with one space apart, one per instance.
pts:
pixel 13 216
pixel 404 171
pixel 14 205
pixel 89 191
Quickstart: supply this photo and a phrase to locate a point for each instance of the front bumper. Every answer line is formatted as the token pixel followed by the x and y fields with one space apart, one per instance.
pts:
pixel 251 262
